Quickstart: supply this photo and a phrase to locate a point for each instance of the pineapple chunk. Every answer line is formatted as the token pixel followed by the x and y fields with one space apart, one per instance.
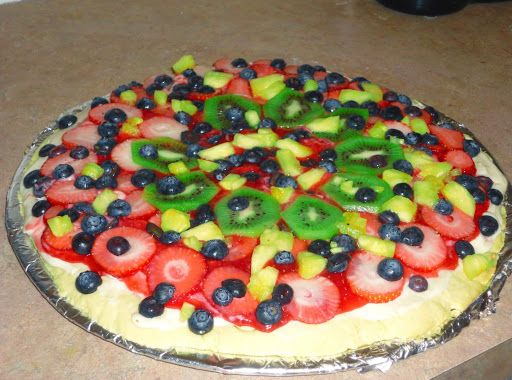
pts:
pixel 204 232
pixel 262 283
pixel 310 264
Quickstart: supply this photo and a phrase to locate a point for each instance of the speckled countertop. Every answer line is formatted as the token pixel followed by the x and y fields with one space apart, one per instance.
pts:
pixel 57 54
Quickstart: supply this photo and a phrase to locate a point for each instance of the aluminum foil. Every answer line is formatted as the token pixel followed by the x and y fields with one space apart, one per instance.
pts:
pixel 380 356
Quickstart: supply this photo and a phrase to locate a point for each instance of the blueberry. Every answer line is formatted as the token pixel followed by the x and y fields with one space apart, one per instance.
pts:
pixel 202 127
pixel 488 225
pixel 285 181
pixel 170 186
pixel 119 208
pixel 314 96
pixel 429 139
pixel 293 83
pixel 94 224
pixel 224 165
pixel 471 147
pixel 45 150
pixel 320 247
pixel 308 69
pixel 319 68
pixel 84 207
pixel 205 214
pixel 485 181
pixel 200 322
pixel 391 113
pixel 394 133
pixel 322 86
pixel 222 297
pixel 199 104
pixel 418 283
pixel 412 236
pixel 479 195
pixel 251 156
pixel 304 77
pixel 463 248
pixel 404 190
pixel 106 181
pixel 118 245
pixel 433 112
pixel 251 176
pixel 177 96
pixel 195 82
pixel 153 87
pixel 290 136
pixel 404 99
pixel 72 213
pixel 163 293
pixel 238 203
pixel 154 230
pixel 329 154
pixel 82 243
pixel 41 185
pixel 467 181
pixel 390 269
pixel 282 294
pixel 328 165
pixel 334 78
pixel 378 161
pixel 183 117
pixel 390 96
pixel 389 216
pixel 57 151
pixel 267 123
pixel 193 149
pixel 344 241
pixel 337 263
pixel 119 90
pixel 143 177
pixel 188 73
pixel 87 282
pixel 218 174
pixel 108 129
pixel 104 146
pixel 115 115
pixel 67 121
pixel 278 63
pixel 235 160
pixel 360 81
pixel 447 126
pixel 145 104
pixel 331 105
pixel 150 308
pixel 235 286
pixel 110 168
pixel 372 107
pixel 238 126
pixel 248 74
pixel 31 178
pixel 215 249
pixel 98 101
pixel 205 89
pixel 164 80
pixel 311 163
pixel 269 312
pixel 239 63
pixel 170 237
pixel 390 232
pixel 443 207
pixel 189 137
pixel 365 194
pixel 424 149
pixel 301 134
pixel 403 166
pixel 40 207
pixel 284 257
pixel 270 166
pixel 79 152
pixel 412 138
pixel 148 151
pixel 62 171
pixel 355 122
pixel 495 196
pixel 413 111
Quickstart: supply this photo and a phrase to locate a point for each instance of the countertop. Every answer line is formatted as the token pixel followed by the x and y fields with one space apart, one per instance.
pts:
pixel 57 54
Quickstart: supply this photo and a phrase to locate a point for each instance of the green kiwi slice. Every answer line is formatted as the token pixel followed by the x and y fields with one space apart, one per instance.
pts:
pixel 353 154
pixel 290 108
pixel 198 190
pixel 263 212
pixel 215 107
pixel 343 187
pixel 343 133
pixel 312 218
pixel 169 150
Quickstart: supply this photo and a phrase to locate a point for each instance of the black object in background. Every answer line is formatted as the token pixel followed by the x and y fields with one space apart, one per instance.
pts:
pixel 429 7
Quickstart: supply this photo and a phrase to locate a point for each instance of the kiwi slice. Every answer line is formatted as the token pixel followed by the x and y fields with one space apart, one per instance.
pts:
pixel 343 133
pixel 312 218
pixel 343 187
pixel 353 154
pixel 290 109
pixel 169 150
pixel 263 212
pixel 215 107
pixel 198 190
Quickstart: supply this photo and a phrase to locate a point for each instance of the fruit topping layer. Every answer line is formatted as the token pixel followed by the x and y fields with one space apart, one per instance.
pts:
pixel 261 193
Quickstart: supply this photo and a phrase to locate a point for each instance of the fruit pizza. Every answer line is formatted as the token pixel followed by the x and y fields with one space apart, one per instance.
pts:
pixel 264 210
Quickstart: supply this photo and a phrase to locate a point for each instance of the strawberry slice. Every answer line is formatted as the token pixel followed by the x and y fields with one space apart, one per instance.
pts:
pixel 299 245
pixel 142 249
pixel 52 212
pixel 225 65
pixel 140 208
pixel 314 301
pixel 139 92
pixel 451 138
pixel 291 70
pixel 457 225
pixel 239 306
pixel 178 265
pixel 239 247
pixel 202 96
pixel 425 257
pixel 122 154
pixel 85 134
pixel 61 242
pixel 264 70
pixel 161 126
pixel 78 165
pixel 319 75
pixel 364 280
pixel 65 192
pixel 97 114
pixel 263 62
pixel 138 282
pixel 392 124
pixel 124 183
pixel 372 224
pixel 461 160
pixel 133 223
pixel 239 86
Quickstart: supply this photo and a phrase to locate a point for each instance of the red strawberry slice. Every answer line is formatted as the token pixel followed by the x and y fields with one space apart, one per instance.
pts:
pixel 178 265
pixel 78 165
pixel 314 301
pixel 239 86
pixel 52 212
pixel 404 128
pixel 161 126
pixel 139 92
pixel 142 249
pixel 61 242
pixel 133 223
pixel 122 154
pixel 263 69
pixel 372 224
pixel 97 114
pixel 140 208
pixel 299 245
pixel 156 219
pixel 239 247
pixel 291 70
pixel 425 257
pixel 319 75
pixel 364 280
pixel 138 282
pixel 262 62
pixel 457 225
pixel 461 160
pixel 85 134
pixel 124 183
pixel 226 66
pixel 65 192
pixel 239 306
pixel 452 139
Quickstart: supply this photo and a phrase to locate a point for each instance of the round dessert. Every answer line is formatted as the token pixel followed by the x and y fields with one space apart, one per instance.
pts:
pixel 264 211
